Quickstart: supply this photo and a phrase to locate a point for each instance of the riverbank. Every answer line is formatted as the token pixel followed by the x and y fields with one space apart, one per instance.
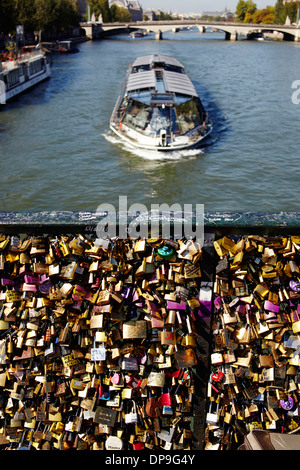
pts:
pixel 76 35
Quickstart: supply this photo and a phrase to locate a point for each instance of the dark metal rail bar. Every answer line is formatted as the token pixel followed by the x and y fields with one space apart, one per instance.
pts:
pixel 217 221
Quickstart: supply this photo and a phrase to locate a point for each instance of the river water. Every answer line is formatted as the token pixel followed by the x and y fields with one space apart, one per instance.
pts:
pixel 57 152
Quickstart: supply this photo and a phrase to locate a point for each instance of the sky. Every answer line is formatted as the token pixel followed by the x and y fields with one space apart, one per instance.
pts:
pixel 196 6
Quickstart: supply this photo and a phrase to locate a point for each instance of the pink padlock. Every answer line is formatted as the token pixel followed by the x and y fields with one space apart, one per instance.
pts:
pixel 115 379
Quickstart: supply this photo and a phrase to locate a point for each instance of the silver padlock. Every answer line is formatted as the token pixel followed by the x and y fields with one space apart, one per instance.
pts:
pixel 212 417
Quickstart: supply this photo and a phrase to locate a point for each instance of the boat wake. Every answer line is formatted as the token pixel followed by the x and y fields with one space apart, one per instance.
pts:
pixel 173 155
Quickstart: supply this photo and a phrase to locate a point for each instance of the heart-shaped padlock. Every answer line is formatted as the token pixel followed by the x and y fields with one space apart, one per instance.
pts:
pixel 115 379
pixel 218 376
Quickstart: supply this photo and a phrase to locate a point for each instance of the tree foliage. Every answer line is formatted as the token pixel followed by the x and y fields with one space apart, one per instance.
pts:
pixel 38 14
pixel 289 9
pixel 162 16
pixel 101 7
pixel 264 16
pixel 7 16
pixel 243 8
pixel 279 17
pixel 119 14
pixel 56 15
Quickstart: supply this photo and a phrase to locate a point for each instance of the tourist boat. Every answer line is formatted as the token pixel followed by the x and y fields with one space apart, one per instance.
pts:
pixel 60 47
pixel 18 74
pixel 140 33
pixel 159 108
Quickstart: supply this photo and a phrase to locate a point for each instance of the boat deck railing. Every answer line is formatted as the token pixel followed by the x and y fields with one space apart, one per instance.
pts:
pixel 20 58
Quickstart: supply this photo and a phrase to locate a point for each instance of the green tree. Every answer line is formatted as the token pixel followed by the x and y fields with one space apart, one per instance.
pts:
pixel 101 7
pixel 243 8
pixel 291 11
pixel 7 16
pixel 122 15
pixel 164 16
pixel 26 14
pixel 105 10
pixel 56 15
pixel 67 14
pixel 264 16
pixel 279 13
pixel 283 10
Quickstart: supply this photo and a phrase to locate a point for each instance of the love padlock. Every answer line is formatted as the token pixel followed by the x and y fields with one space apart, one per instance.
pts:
pixel 218 376
pixel 165 252
pixel 295 286
pixel 287 404
pixel 115 379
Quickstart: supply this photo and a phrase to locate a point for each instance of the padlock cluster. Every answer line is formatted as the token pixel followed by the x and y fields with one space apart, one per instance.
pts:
pixel 255 375
pixel 97 342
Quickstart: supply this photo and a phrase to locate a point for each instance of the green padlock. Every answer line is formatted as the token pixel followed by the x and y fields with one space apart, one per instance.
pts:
pixel 165 252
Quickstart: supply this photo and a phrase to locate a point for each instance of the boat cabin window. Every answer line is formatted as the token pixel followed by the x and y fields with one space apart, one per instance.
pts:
pixel 13 77
pixel 35 66
pixel 190 115
pixel 137 115
pixel 176 119
pixel 140 68
pixel 163 118
pixel 160 98
pixel 159 65
pixel 169 67
pixel 22 70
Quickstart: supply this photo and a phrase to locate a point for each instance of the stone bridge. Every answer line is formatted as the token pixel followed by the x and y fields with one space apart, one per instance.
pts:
pixel 232 30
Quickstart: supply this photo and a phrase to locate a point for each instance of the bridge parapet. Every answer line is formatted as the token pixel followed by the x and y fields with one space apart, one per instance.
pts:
pixel 231 29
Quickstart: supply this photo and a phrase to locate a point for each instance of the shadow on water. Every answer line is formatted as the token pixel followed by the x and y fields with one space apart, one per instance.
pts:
pixel 220 125
pixel 36 95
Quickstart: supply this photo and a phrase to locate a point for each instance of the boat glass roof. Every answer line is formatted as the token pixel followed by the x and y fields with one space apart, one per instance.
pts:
pixel 173 82
pixel 179 83
pixel 152 58
pixel 140 80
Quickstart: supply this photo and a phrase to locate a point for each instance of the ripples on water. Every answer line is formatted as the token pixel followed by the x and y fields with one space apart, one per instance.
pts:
pixel 57 152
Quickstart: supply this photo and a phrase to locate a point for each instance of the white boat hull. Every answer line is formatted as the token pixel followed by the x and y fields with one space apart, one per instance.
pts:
pixel 140 141
pixel 24 85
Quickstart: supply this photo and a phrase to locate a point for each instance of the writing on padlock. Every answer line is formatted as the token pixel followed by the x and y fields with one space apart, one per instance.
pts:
pixel 217 376
pixel 168 337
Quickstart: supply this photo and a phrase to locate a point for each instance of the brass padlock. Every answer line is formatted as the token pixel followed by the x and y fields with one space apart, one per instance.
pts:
pixel 168 337
pixel 170 320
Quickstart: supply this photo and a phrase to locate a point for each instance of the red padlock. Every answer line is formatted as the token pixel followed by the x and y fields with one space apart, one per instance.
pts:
pixel 138 446
pixel 218 376
pixel 165 399
pixel 134 382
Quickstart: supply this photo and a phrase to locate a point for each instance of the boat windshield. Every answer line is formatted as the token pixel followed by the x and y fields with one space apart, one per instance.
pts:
pixel 176 119
pixel 190 114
